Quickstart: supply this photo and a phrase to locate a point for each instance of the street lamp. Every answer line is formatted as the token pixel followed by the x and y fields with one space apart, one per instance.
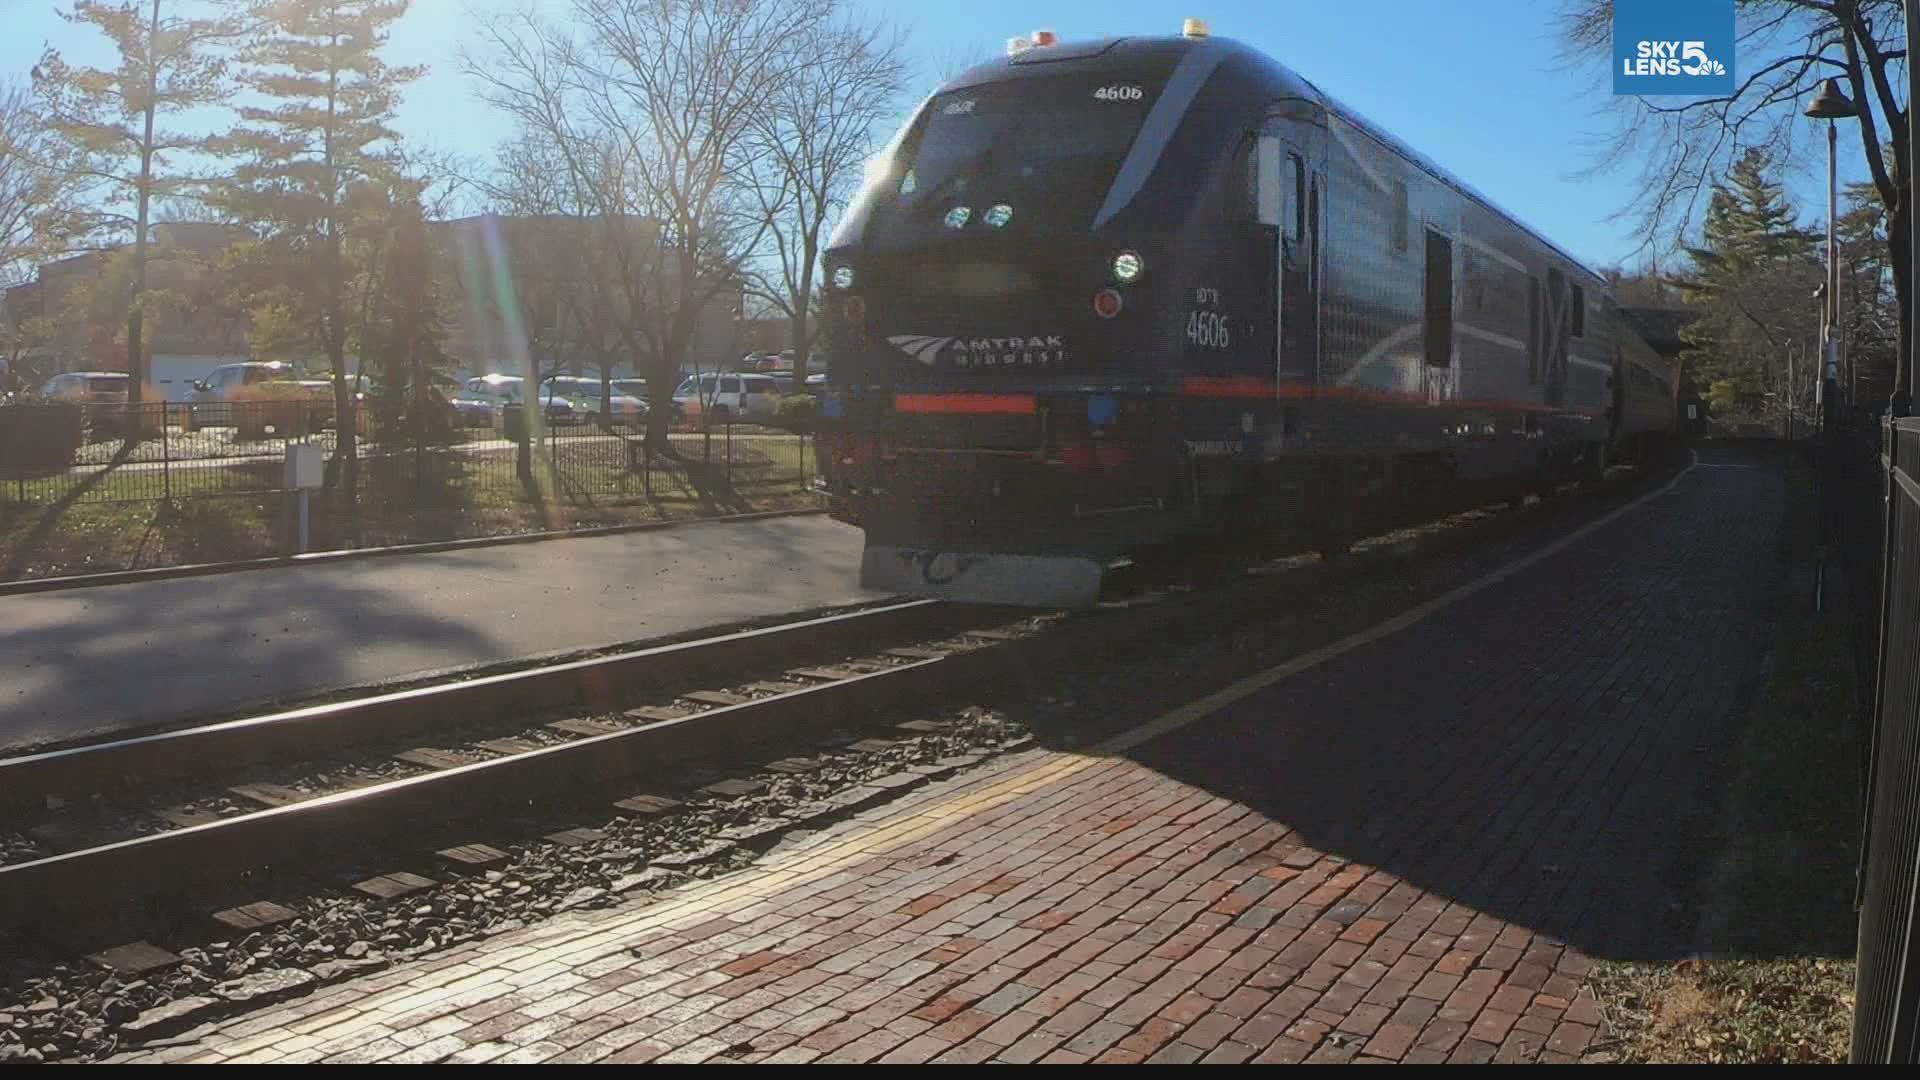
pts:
pixel 1831 104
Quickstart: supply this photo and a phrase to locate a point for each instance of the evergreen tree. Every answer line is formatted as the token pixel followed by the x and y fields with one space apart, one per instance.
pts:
pixel 406 338
pixel 1869 312
pixel 1756 342
pixel 116 121
pixel 314 161
pixel 1749 226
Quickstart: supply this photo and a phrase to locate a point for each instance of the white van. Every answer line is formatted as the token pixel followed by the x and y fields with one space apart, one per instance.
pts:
pixel 740 397
pixel 498 391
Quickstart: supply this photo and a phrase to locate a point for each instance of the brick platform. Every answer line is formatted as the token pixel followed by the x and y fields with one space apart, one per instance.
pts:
pixel 1412 852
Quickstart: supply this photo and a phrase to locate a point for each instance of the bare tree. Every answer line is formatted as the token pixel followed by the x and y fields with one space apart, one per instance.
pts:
pixel 1683 146
pixel 37 190
pixel 510 277
pixel 950 60
pixel 645 103
pixel 115 119
pixel 538 282
pixel 37 185
pixel 804 155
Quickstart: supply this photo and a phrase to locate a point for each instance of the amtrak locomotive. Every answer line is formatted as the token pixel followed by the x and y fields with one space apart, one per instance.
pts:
pixel 1162 300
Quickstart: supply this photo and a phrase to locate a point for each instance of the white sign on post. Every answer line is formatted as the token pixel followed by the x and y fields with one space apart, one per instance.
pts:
pixel 306 471
pixel 306 466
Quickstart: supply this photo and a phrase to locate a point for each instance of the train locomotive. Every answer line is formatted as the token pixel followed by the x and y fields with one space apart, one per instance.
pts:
pixel 1159 300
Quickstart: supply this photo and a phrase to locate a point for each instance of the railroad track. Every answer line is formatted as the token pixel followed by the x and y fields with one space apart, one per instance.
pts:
pixel 117 821
pixel 645 721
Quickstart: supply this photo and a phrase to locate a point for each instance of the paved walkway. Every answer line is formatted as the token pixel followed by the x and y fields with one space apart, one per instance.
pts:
pixel 116 657
pixel 1412 851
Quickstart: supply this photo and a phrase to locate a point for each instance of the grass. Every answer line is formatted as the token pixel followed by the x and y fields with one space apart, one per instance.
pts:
pixel 1777 985
pixel 1785 1010
pixel 116 518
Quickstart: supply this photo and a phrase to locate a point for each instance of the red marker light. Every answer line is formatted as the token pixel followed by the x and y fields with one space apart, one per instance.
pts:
pixel 856 309
pixel 1044 38
pixel 1107 303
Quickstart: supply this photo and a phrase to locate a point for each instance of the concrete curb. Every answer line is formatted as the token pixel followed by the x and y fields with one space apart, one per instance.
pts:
pixel 163 573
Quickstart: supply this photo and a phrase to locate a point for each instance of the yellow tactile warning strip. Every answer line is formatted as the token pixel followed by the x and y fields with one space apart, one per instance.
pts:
pixel 830 854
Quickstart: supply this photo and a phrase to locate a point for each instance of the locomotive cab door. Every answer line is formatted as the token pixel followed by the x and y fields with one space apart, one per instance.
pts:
pixel 1290 206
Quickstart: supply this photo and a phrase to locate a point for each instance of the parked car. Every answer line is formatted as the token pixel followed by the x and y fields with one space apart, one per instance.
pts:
pixel 582 394
pixel 745 397
pixel 638 388
pixel 102 397
pixel 87 387
pixel 470 409
pixel 213 398
pixel 499 391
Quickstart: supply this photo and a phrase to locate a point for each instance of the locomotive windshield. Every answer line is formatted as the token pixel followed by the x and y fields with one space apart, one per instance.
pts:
pixel 1044 150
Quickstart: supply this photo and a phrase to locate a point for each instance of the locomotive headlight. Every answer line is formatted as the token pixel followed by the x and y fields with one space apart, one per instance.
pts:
pixel 998 216
pixel 1127 268
pixel 958 217
pixel 843 277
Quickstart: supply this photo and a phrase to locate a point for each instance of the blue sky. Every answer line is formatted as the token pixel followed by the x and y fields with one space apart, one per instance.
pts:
pixel 1484 96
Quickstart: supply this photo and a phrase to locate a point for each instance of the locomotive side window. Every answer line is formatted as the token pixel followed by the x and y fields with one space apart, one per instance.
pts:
pixel 1247 200
pixel 1579 312
pixel 1313 231
pixel 1293 193
pixel 1266 168
pixel 1535 346
pixel 1397 227
pixel 1439 307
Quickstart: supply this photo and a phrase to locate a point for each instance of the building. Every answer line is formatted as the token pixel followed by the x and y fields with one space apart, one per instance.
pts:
pixel 72 316
pixel 542 270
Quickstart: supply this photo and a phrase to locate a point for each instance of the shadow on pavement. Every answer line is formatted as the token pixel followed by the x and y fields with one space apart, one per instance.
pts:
pixel 1548 751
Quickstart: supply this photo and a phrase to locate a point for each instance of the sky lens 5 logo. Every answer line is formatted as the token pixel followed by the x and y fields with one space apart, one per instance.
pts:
pixel 1673 47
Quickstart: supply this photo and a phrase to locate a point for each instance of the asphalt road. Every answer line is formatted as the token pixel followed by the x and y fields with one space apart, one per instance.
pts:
pixel 85 662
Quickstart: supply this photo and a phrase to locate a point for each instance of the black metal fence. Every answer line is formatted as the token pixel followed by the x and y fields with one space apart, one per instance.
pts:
pixel 1887 995
pixel 410 479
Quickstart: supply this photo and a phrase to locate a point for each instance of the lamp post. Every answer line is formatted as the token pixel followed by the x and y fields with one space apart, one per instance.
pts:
pixel 1831 104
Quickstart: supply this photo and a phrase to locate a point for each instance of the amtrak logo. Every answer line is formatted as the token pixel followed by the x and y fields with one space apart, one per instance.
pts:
pixel 921 348
pixel 1042 350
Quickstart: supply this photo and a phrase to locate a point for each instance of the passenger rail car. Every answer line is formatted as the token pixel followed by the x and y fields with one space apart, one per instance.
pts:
pixel 1161 299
